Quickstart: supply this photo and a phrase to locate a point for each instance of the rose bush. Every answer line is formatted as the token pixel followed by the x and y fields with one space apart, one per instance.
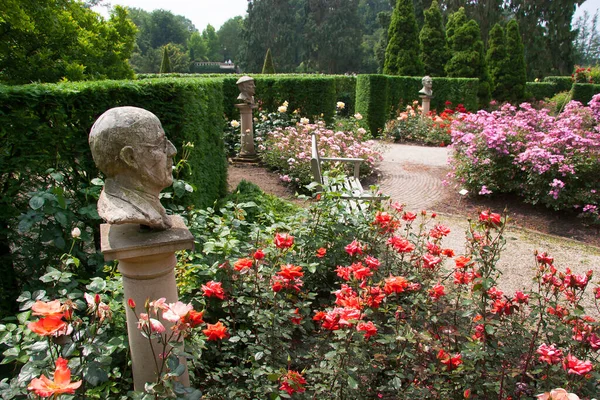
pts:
pixel 549 160
pixel 431 130
pixel 319 302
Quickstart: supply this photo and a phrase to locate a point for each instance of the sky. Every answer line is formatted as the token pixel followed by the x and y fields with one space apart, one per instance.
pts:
pixel 216 12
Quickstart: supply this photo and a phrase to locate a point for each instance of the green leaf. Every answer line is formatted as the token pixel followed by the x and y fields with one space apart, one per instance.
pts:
pixel 94 373
pixel 36 202
pixel 97 182
pixel 352 384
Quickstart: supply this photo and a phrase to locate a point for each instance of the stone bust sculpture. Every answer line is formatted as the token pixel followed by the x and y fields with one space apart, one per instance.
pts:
pixel 427 85
pixel 247 87
pixel 130 147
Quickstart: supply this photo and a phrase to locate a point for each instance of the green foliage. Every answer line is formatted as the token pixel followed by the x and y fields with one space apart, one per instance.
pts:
pixel 213 50
pixel 60 116
pixel 402 52
pixel 583 92
pixel 558 102
pixel 378 98
pixel 372 101
pixel 587 43
pixel 230 38
pixel 197 47
pixel 268 67
pixel 333 29
pixel 48 41
pixel 540 90
pixel 434 52
pixel 313 95
pixel 563 83
pixel 165 65
pixel 498 65
pixel 517 71
pixel 345 91
pixel 468 57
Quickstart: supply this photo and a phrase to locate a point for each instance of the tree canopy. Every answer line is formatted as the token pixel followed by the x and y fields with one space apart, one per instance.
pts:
pixel 402 52
pixel 46 40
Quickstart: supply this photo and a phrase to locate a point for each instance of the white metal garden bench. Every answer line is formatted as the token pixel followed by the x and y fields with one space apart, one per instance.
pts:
pixel 350 188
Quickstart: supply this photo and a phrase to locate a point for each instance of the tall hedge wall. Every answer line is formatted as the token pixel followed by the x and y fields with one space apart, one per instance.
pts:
pixel 379 97
pixel 313 95
pixel 583 92
pixel 563 83
pixel 345 91
pixel 46 126
pixel 540 90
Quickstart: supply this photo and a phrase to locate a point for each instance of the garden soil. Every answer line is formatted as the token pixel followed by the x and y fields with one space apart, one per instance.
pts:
pixel 413 175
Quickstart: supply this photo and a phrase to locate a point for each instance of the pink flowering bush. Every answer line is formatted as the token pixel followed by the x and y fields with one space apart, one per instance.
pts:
pixel 288 150
pixel 551 160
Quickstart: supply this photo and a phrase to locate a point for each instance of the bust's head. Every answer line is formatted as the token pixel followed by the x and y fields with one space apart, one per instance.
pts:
pixel 247 88
pixel 427 86
pixel 130 143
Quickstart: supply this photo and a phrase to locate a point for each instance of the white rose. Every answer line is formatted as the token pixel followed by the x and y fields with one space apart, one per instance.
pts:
pixel 282 109
pixel 340 105
pixel 358 116
pixel 75 233
pixel 304 121
pixel 234 123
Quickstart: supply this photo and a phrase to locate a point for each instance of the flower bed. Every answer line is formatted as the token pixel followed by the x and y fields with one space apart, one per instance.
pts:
pixel 431 130
pixel 549 160
pixel 320 303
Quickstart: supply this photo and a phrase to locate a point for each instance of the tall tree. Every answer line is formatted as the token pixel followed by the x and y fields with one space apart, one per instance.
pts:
pixel 165 65
pixel 165 27
pixel 497 62
pixel 547 34
pixel 587 44
pixel 213 48
pixel 268 67
pixel 468 56
pixel 402 52
pixel 334 32
pixel 230 38
pixel 275 24
pixel 434 52
pixel 197 47
pixel 517 71
pixel 49 40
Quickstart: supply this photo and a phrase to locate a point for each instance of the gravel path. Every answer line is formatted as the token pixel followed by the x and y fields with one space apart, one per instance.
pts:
pixel 412 175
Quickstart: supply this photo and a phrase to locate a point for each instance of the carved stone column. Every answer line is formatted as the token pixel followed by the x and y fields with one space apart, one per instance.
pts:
pixel 247 150
pixel 147 263
pixel 425 105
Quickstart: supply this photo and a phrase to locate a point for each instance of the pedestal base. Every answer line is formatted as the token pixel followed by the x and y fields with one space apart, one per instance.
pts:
pixel 245 159
pixel 147 262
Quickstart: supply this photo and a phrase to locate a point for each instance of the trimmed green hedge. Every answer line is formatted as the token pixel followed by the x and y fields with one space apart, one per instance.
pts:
pixel 372 100
pixel 563 83
pixel 379 97
pixel 313 95
pixel 583 92
pixel 42 125
pixel 345 91
pixel 540 90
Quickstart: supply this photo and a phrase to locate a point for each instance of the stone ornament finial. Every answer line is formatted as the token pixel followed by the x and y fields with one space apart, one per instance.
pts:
pixel 427 86
pixel 247 87
pixel 130 147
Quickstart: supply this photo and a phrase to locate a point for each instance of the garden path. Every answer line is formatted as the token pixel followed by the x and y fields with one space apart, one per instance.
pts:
pixel 413 175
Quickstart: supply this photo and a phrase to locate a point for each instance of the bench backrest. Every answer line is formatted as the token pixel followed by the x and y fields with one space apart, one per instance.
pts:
pixel 315 161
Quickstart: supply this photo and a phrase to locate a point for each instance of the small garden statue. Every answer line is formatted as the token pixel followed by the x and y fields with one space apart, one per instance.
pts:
pixel 247 150
pixel 247 87
pixel 130 147
pixel 426 93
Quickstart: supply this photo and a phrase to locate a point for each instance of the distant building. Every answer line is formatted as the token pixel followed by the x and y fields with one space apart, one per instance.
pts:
pixel 211 67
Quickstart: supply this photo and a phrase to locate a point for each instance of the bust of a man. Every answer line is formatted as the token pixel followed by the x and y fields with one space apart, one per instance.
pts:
pixel 130 147
pixel 427 85
pixel 247 87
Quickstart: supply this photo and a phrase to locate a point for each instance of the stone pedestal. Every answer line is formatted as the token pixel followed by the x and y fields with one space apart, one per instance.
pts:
pixel 247 150
pixel 147 263
pixel 425 104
